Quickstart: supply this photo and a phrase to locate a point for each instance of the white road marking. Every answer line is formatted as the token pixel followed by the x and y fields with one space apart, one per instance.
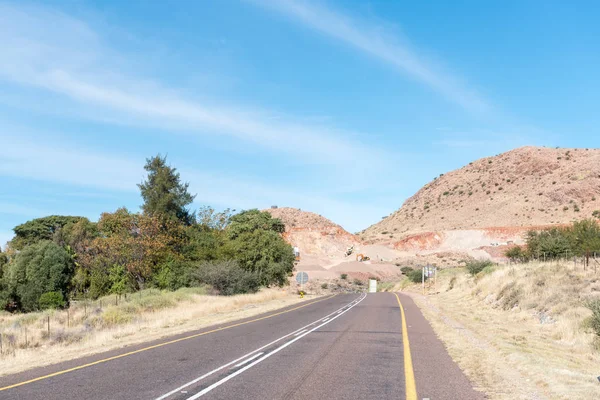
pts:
pixel 302 331
pixel 277 350
pixel 180 388
pixel 246 361
pixel 325 319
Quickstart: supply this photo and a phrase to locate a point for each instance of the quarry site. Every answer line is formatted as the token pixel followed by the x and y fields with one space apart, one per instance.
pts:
pixel 475 212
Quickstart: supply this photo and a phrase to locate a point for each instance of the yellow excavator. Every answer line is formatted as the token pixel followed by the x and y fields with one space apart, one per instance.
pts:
pixel 361 257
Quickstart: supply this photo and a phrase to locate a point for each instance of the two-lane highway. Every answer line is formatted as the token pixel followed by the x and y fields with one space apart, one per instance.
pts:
pixel 351 346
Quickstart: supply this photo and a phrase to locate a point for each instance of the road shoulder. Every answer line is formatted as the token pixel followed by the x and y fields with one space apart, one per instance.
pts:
pixel 437 375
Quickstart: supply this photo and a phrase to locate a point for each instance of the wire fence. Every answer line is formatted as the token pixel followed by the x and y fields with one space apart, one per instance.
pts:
pixel 23 331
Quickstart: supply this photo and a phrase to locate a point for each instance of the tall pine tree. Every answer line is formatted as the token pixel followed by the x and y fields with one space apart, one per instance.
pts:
pixel 163 192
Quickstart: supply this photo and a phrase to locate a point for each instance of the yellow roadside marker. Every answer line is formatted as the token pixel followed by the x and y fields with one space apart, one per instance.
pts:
pixel 156 346
pixel 409 374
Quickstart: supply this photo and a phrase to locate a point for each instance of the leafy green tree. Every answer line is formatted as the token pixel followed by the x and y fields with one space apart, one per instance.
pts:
pixel 202 243
pixel 552 243
pixel 76 235
pixel 40 229
pixel 175 273
pixel 4 291
pixel 39 268
pixel 586 238
pixel 98 279
pixel 163 192
pixel 253 220
pixel 140 243
pixel 213 220
pixel 119 280
pixel 515 254
pixel 3 261
pixel 263 252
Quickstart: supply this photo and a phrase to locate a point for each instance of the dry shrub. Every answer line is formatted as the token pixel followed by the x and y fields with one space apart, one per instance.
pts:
pixel 115 316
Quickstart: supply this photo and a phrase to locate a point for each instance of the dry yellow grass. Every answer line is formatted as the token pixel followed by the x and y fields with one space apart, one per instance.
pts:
pixel 100 326
pixel 519 332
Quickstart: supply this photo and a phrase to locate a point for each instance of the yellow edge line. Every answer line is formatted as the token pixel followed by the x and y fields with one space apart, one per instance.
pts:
pixel 156 346
pixel 409 374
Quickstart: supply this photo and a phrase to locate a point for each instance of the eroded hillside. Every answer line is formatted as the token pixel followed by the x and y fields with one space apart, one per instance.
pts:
pixel 315 235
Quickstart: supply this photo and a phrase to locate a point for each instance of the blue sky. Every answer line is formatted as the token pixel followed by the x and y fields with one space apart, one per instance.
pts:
pixel 344 108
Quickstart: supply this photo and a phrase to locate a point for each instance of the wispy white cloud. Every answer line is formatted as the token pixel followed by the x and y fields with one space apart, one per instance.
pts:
pixel 43 160
pixel 21 210
pixel 37 159
pixel 390 49
pixel 52 51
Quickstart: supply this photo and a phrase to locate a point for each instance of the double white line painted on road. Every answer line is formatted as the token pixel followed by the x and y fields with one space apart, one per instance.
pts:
pixel 277 350
pixel 297 332
pixel 249 359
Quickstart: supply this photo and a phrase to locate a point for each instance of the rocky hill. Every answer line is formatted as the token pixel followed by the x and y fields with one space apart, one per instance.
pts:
pixel 323 245
pixel 296 219
pixel 315 235
pixel 529 186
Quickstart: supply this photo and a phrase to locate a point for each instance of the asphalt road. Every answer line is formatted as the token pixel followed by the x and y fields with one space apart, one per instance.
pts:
pixel 350 346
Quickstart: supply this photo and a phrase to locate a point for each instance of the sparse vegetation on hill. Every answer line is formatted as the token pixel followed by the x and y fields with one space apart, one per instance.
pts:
pixel 529 186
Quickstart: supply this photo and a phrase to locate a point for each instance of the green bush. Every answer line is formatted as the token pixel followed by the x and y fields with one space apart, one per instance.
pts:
pixel 594 320
pixel 515 254
pixel 344 276
pixel 406 270
pixel 476 266
pixel 358 282
pixel 52 300
pixel 324 286
pixel 416 276
pixel 227 277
